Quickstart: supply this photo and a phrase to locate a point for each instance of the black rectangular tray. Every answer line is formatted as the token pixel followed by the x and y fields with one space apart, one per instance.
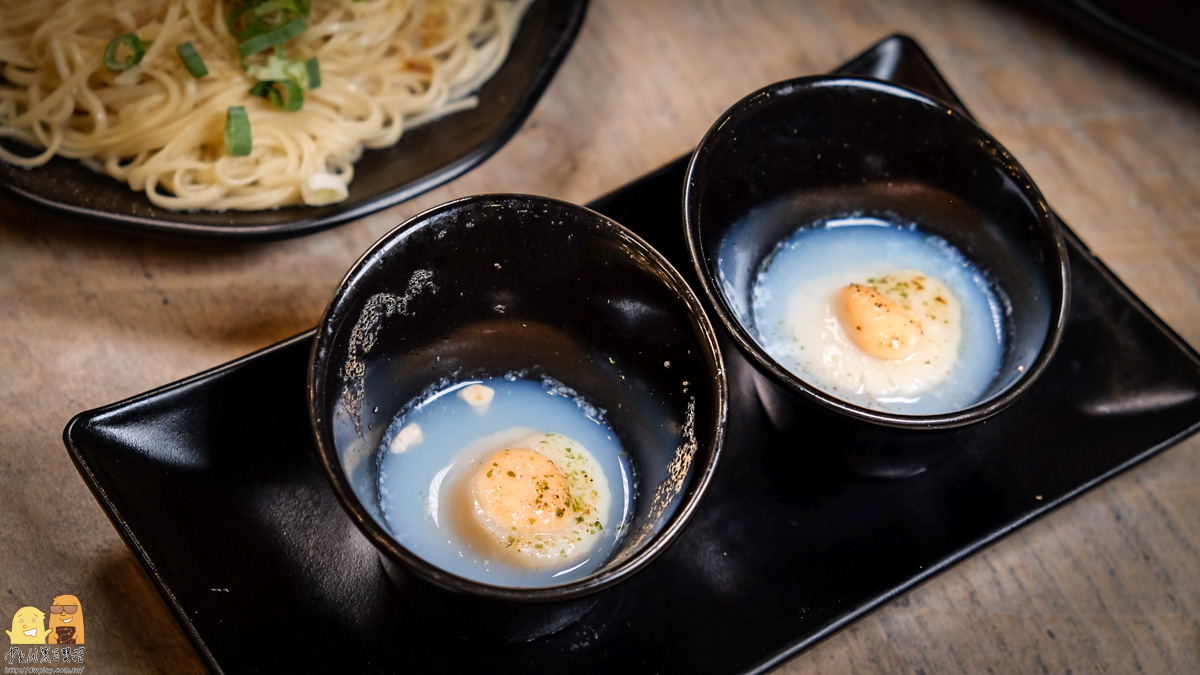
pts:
pixel 213 484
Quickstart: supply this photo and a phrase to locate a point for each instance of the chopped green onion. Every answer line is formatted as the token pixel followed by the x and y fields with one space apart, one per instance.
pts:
pixel 288 7
pixel 269 6
pixel 276 90
pixel 191 60
pixel 295 71
pixel 275 36
pixel 273 69
pixel 256 17
pixel 295 97
pixel 307 74
pixel 242 30
pixel 261 88
pixel 278 68
pixel 313 70
pixel 136 47
pixel 237 132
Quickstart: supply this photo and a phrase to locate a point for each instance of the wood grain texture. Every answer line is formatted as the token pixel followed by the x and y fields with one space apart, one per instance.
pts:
pixel 1106 584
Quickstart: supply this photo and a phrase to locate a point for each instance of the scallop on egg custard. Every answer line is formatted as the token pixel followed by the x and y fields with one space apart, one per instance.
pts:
pixel 880 315
pixel 538 502
pixel 507 481
pixel 894 335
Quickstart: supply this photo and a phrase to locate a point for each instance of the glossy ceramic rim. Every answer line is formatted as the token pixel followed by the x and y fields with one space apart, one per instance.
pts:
pixel 388 546
pixel 1059 284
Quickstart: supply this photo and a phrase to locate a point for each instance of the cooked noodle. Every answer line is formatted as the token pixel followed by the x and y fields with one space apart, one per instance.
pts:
pixel 385 66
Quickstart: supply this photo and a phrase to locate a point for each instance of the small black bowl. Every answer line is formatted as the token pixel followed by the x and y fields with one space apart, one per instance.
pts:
pixel 807 150
pixel 494 284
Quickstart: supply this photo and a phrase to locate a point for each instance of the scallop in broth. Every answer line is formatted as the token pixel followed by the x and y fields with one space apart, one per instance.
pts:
pixel 879 314
pixel 506 481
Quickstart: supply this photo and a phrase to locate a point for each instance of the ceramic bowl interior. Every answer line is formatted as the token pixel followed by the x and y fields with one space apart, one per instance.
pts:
pixel 496 284
pixel 806 150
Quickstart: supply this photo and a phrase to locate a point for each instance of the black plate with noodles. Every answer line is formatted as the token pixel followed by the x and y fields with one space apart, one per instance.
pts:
pixel 425 156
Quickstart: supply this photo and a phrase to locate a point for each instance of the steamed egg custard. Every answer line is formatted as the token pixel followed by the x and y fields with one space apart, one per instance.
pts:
pixel 880 315
pixel 506 481
pixel 538 501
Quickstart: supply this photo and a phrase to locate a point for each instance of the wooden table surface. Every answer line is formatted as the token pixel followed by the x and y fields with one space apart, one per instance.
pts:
pixel 1108 583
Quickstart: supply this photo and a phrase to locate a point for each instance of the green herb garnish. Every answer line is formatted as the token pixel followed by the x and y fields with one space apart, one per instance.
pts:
pixel 284 94
pixel 191 60
pixel 136 47
pixel 271 38
pixel 238 140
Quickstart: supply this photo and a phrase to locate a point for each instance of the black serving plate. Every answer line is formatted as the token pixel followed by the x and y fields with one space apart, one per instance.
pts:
pixel 213 483
pixel 424 158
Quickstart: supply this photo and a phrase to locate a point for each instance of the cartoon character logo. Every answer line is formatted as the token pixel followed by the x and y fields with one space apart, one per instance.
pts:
pixel 66 621
pixel 28 627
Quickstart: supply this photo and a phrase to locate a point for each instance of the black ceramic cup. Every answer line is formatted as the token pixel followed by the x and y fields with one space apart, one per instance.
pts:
pixel 496 284
pixel 801 152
